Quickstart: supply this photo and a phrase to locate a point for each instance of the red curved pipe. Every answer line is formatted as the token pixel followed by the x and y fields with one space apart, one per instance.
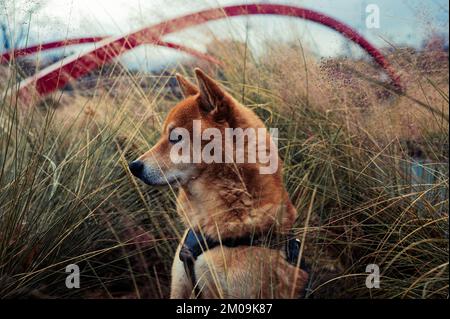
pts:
pixel 57 75
pixel 8 56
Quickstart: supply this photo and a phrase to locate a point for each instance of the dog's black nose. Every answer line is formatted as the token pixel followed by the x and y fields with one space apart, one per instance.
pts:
pixel 136 168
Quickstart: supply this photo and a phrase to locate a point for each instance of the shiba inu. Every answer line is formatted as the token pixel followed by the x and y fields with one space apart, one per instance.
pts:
pixel 231 207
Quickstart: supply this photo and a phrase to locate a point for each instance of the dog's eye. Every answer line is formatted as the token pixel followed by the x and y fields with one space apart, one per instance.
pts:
pixel 174 137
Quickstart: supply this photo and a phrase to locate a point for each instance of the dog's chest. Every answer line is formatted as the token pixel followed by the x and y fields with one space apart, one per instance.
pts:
pixel 197 204
pixel 204 200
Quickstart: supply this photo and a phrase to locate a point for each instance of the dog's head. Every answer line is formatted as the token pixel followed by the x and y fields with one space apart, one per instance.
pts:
pixel 207 111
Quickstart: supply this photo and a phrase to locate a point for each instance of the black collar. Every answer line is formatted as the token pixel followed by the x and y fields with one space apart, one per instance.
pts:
pixel 195 244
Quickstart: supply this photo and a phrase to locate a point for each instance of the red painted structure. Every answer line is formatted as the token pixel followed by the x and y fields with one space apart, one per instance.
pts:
pixel 8 56
pixel 59 74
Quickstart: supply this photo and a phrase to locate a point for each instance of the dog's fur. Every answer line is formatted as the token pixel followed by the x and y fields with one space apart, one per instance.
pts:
pixel 225 201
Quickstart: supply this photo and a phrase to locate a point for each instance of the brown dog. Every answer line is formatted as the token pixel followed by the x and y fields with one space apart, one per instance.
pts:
pixel 224 200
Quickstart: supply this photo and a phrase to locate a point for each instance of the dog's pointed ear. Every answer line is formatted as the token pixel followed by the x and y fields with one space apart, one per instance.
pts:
pixel 213 98
pixel 187 88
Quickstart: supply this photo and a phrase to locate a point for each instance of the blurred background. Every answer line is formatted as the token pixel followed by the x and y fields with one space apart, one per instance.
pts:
pixel 403 23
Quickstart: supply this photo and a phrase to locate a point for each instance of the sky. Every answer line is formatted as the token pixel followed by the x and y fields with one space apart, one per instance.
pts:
pixel 401 22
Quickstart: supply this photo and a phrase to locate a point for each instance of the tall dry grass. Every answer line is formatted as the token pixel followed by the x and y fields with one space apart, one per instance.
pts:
pixel 366 168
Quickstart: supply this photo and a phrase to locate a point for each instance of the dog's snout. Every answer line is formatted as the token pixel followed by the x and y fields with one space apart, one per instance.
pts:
pixel 136 168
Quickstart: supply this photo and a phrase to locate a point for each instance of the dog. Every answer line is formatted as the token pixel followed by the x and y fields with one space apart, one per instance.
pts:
pixel 224 204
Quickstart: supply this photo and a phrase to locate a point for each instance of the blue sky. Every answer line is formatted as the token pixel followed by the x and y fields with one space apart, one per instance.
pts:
pixel 402 22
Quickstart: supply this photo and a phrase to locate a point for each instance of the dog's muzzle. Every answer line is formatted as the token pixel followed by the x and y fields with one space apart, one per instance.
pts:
pixel 151 175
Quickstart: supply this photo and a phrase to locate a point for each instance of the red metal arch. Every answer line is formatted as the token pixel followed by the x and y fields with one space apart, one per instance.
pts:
pixel 8 56
pixel 57 75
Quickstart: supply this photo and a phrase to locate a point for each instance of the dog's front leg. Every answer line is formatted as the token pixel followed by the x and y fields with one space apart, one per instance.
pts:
pixel 181 286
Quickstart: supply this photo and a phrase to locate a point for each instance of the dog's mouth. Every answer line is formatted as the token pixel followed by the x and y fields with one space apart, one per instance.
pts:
pixel 163 182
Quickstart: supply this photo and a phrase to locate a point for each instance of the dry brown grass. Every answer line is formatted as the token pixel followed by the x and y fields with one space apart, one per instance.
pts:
pixel 66 194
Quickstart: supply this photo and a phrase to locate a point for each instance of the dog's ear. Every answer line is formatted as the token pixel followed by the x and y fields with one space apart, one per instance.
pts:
pixel 213 98
pixel 187 88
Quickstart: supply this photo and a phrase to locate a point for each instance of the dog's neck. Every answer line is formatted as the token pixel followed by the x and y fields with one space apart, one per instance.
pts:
pixel 229 201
